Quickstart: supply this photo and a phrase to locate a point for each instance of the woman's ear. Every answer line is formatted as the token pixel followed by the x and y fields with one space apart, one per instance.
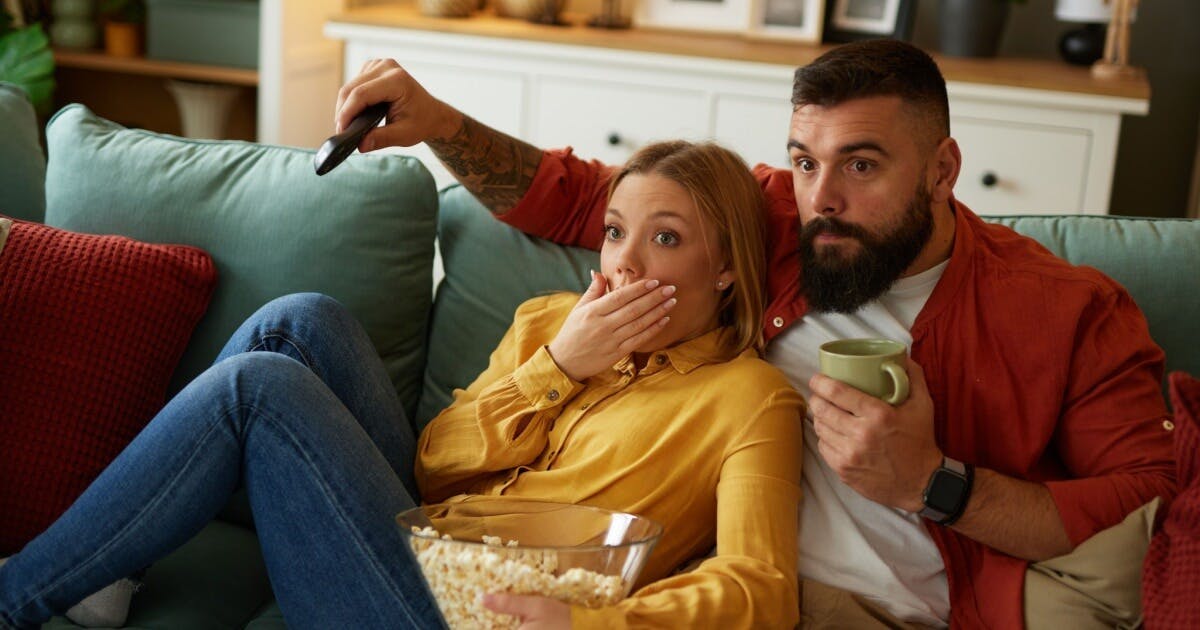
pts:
pixel 725 279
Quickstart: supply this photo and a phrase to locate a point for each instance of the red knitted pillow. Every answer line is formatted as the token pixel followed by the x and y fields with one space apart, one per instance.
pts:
pixel 91 328
pixel 1171 575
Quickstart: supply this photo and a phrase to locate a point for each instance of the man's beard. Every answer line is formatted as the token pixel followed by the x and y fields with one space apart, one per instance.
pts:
pixel 838 283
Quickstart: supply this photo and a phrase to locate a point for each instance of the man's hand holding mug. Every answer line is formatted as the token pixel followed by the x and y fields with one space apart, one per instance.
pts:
pixel 874 418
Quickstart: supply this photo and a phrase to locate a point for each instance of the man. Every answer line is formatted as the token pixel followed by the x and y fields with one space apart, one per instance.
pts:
pixel 1035 417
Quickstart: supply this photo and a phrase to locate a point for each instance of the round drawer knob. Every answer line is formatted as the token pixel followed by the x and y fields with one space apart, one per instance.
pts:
pixel 989 179
pixel 614 138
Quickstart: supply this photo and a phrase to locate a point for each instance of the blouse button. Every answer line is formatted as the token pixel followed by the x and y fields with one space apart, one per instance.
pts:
pixel 553 395
pixel 778 321
pixel 1168 425
pixel 584 406
pixel 660 359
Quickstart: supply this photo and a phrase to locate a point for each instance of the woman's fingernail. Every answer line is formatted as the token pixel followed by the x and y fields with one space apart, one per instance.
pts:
pixel 650 284
pixel 668 291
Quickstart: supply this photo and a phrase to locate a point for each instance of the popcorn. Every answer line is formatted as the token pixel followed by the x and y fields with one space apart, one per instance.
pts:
pixel 459 576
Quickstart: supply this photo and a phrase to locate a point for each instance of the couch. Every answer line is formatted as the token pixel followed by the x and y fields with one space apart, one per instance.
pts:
pixel 366 235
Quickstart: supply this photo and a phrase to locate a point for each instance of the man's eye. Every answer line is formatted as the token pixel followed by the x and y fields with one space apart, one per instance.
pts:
pixel 666 238
pixel 860 166
pixel 612 232
pixel 805 165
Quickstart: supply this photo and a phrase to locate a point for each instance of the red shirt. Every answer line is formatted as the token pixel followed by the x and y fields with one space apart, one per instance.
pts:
pixel 1038 369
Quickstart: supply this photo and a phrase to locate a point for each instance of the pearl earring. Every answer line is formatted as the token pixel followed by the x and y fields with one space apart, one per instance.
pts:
pixel 720 284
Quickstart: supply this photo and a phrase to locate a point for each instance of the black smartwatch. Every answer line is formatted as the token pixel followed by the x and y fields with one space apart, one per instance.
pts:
pixel 947 492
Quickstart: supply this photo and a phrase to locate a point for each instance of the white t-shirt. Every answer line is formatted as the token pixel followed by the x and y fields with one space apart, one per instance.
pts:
pixel 846 540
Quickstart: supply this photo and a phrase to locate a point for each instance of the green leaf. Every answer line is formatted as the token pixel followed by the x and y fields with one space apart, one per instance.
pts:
pixel 27 62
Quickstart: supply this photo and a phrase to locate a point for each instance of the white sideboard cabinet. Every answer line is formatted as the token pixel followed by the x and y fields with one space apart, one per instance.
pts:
pixel 1037 137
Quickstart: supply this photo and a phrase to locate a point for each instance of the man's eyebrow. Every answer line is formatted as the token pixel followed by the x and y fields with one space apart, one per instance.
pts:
pixel 866 145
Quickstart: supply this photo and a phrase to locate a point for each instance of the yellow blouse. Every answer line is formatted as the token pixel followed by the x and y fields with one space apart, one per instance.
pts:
pixel 708 448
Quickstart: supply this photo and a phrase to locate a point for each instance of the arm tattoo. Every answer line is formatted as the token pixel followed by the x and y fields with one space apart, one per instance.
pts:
pixel 497 168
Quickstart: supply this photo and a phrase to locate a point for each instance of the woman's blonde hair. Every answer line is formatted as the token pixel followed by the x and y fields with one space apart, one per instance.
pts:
pixel 725 193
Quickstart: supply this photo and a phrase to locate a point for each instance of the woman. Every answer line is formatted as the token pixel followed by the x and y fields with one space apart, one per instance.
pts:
pixel 603 400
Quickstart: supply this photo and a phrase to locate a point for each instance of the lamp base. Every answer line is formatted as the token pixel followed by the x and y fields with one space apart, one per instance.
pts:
pixel 1106 70
pixel 1083 46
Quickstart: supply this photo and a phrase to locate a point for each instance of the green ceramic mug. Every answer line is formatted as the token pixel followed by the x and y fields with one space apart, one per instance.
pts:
pixel 875 366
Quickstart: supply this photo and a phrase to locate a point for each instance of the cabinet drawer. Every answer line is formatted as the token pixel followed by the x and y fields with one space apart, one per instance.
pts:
pixel 1016 168
pixel 609 121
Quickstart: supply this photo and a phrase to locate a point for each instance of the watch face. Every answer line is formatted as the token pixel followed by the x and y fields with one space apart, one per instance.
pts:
pixel 945 492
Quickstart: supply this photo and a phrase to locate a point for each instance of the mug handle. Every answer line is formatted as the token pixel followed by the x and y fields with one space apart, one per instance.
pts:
pixel 899 383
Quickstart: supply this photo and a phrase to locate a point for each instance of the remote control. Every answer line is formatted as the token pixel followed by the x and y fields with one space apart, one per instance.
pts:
pixel 337 148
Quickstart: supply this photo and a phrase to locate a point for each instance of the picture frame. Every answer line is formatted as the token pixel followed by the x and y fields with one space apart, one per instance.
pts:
pixel 853 20
pixel 792 20
pixel 726 16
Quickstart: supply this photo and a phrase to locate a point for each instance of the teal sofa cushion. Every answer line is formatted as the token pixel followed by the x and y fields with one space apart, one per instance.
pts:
pixel 491 268
pixel 23 174
pixel 363 234
pixel 1156 260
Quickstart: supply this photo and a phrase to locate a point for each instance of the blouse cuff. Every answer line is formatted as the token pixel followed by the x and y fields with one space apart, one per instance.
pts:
pixel 542 383
pixel 608 618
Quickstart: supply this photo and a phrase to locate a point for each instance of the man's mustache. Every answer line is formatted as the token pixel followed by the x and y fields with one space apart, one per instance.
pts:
pixel 828 225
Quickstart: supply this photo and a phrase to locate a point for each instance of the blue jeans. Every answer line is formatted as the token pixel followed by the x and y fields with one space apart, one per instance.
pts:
pixel 299 410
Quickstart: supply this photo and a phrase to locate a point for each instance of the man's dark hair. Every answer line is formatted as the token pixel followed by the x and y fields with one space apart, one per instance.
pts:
pixel 877 67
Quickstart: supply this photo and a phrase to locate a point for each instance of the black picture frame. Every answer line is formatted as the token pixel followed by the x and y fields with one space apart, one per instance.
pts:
pixel 899 13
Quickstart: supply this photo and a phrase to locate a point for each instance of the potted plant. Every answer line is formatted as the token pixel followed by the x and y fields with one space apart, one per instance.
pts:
pixel 26 61
pixel 123 22
pixel 972 28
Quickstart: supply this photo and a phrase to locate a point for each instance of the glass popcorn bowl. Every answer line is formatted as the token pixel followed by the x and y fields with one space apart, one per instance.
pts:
pixel 574 553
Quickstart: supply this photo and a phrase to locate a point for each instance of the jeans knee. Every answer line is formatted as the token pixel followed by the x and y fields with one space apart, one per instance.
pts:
pixel 254 374
pixel 305 306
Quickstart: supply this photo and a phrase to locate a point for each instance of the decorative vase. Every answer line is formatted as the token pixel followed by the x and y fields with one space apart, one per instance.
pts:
pixel 971 28
pixel 72 9
pixel 123 39
pixel 1083 46
pixel 547 12
pixel 447 8
pixel 73 33
pixel 203 107
pixel 518 9
pixel 73 26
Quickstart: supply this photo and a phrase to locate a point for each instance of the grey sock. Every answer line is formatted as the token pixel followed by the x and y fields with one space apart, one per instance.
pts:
pixel 107 607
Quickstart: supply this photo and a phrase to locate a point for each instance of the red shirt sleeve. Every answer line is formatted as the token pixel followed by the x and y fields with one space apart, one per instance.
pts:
pixel 566 201
pixel 1112 438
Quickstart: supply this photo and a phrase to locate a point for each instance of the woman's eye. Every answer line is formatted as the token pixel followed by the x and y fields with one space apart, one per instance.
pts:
pixel 612 232
pixel 666 238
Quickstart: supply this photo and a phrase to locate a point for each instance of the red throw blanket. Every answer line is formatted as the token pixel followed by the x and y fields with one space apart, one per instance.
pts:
pixel 1171 576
